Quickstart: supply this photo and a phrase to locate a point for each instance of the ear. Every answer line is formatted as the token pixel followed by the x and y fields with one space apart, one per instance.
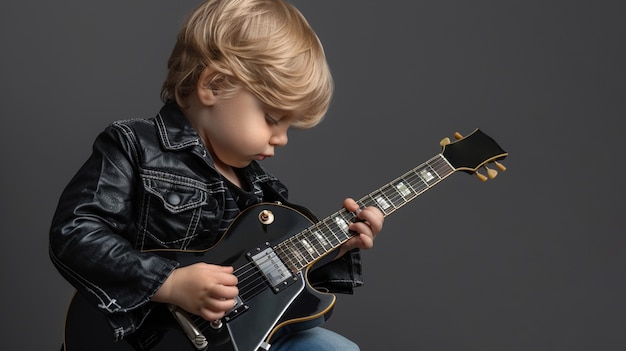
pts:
pixel 206 93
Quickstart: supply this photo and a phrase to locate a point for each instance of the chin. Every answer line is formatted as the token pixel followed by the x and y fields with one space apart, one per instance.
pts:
pixel 242 164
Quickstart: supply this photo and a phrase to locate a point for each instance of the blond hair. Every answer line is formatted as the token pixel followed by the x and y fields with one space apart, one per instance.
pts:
pixel 265 46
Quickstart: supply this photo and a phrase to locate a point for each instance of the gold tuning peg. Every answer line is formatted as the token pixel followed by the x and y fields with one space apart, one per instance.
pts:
pixel 491 173
pixel 458 136
pixel 482 177
pixel 500 166
pixel 444 141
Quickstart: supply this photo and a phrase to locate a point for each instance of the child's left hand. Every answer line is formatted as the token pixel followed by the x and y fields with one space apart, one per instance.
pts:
pixel 370 224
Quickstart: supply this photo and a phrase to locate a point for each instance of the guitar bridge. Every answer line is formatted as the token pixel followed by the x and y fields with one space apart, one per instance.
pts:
pixel 238 309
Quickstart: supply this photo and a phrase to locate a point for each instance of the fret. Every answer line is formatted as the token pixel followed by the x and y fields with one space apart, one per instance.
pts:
pixel 315 250
pixel 403 189
pixel 300 250
pixel 417 183
pixel 309 247
pixel 366 201
pixel 280 251
pixel 304 248
pixel 428 175
pixel 322 240
pixel 326 235
pixel 347 216
pixel 334 239
pixel 393 195
pixel 287 258
pixel 314 242
pixel 329 233
pixel 291 257
pixel 342 225
pixel 382 202
pixel 443 167
pixel 295 253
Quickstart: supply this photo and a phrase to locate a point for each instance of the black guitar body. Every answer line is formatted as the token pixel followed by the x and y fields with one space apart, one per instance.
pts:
pixel 265 312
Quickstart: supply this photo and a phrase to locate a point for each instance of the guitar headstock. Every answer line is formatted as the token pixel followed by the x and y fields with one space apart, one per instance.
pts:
pixel 470 153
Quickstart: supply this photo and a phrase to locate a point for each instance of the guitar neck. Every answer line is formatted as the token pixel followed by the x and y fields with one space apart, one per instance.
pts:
pixel 309 245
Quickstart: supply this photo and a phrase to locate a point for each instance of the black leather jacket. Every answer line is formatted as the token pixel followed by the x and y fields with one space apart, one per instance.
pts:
pixel 150 184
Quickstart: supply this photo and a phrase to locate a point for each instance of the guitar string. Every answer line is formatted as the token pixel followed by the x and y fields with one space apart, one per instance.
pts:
pixel 283 255
pixel 253 281
pixel 395 199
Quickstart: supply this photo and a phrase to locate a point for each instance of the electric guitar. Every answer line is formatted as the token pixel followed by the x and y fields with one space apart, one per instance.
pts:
pixel 272 248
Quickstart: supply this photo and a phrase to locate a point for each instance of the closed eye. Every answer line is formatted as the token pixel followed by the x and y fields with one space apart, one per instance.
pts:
pixel 271 120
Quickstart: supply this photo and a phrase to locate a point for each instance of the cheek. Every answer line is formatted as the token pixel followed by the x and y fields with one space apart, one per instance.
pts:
pixel 253 137
pixel 246 137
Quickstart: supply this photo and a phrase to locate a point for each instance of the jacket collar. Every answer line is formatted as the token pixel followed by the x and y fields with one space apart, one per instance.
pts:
pixel 175 131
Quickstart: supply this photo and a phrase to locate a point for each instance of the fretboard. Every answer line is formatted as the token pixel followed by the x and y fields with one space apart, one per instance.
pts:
pixel 306 247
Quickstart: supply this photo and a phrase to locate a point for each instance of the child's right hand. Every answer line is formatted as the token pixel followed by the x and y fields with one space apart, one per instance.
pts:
pixel 203 289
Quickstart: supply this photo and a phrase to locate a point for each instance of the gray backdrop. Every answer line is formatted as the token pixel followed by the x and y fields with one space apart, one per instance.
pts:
pixel 532 260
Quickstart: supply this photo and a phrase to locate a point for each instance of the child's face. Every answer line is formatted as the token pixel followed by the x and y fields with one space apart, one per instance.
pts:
pixel 239 129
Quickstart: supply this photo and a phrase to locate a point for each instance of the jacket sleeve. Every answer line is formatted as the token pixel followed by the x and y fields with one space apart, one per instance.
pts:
pixel 91 235
pixel 338 276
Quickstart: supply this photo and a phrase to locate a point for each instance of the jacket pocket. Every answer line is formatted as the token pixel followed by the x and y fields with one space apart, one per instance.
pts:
pixel 177 212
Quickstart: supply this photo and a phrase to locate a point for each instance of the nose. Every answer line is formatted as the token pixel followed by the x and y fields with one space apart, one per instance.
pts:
pixel 279 138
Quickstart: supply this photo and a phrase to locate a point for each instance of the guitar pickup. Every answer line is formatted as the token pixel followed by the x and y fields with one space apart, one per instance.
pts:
pixel 273 269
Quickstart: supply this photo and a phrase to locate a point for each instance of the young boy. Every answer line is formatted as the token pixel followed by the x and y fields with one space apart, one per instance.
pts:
pixel 240 75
